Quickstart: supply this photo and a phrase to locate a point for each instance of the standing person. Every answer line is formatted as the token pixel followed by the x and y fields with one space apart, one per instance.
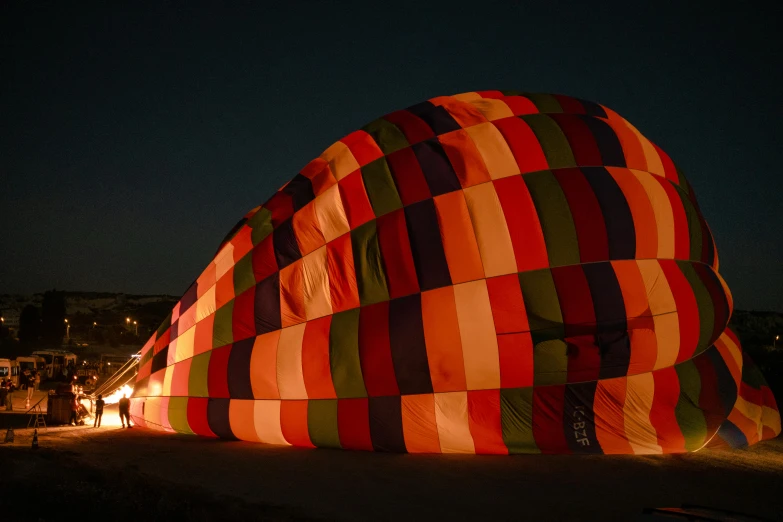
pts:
pixel 98 411
pixel 125 410
pixel 30 381
pixel 3 393
pixel 9 405
pixel 37 380
pixel 74 412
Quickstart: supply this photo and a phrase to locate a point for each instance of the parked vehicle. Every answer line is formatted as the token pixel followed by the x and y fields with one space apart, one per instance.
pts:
pixel 10 370
pixel 56 361
pixel 34 363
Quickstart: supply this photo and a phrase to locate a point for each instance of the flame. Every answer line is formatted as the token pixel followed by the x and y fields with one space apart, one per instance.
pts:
pixel 115 397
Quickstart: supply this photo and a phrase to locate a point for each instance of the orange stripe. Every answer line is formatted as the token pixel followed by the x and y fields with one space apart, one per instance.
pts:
pixel 489 224
pixel 292 304
pixel 442 337
pixel 266 418
pixel 306 229
pixel 418 424
pixel 664 311
pixel 464 157
pixel 263 366
pixel 634 153
pixel 644 348
pixel 451 415
pixel 664 216
pixel 458 237
pixel 477 331
pixel 608 406
pixel 494 150
pixel 290 378
pixel 241 417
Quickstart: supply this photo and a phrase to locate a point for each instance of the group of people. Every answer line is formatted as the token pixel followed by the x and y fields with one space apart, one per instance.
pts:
pixel 78 411
pixel 29 380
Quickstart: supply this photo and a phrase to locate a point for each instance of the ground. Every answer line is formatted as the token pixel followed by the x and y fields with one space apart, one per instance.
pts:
pixel 159 476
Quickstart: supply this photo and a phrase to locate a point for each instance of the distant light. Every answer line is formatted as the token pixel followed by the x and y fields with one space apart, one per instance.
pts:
pixel 127 319
pixel 66 320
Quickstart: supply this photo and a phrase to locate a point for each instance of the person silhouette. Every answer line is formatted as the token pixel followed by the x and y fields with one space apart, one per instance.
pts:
pixel 125 410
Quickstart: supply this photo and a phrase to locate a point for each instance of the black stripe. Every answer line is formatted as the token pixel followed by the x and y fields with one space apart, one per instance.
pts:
pixel 429 257
pixel 286 247
pixel 436 167
pixel 218 419
pixel 267 305
pixel 301 191
pixel 386 424
pixel 239 386
pixel 617 214
pixel 579 418
pixel 608 143
pixel 408 348
pixel 611 326
pixel 438 118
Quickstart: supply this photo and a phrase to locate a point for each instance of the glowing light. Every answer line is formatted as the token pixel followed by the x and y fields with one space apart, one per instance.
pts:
pixel 115 397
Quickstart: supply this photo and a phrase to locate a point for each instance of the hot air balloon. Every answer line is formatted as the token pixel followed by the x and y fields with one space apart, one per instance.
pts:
pixel 493 272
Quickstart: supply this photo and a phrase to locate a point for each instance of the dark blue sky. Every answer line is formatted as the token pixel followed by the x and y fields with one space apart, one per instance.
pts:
pixel 131 141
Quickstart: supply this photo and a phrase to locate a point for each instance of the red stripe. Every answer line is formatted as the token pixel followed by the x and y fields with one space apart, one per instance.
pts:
pixel 508 307
pixel 197 416
pixel 682 241
pixel 709 397
pixel 363 147
pixel 353 424
pixel 580 138
pixel 342 277
pixel 587 216
pixel 524 228
pixel 520 105
pixel 668 166
pixel 523 144
pixel 243 321
pixel 484 422
pixel 293 422
pixel 548 419
pixel 687 309
pixel 662 414
pixel 316 368
pixel 413 127
pixel 397 256
pixel 357 205
pixel 569 105
pixel 515 353
pixel 264 259
pixel 281 205
pixel 217 376
pixel 375 351
pixel 408 176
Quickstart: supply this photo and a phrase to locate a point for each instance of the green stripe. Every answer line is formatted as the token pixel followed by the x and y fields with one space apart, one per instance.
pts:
pixel 178 414
pixel 322 423
pixel 222 330
pixel 694 226
pixel 243 274
pixel 705 304
pixel 380 187
pixel 197 378
pixel 261 225
pixel 681 181
pixel 542 305
pixel 689 416
pixel 552 140
pixel 516 419
pixel 164 326
pixel 368 264
pixel 550 362
pixel 344 355
pixel 557 223
pixel 545 103
pixel 388 137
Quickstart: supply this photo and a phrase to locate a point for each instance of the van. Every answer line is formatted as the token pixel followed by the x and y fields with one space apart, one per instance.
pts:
pixel 33 363
pixel 9 370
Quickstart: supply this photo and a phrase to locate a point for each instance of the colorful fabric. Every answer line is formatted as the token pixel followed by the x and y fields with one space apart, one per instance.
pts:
pixel 491 272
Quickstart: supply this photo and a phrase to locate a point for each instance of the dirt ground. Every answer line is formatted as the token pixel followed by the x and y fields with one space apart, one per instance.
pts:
pixel 140 473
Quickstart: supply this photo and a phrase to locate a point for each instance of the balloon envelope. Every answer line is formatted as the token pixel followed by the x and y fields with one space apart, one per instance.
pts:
pixel 491 272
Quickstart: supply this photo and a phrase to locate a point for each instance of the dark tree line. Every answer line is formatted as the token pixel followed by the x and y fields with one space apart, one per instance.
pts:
pixel 44 328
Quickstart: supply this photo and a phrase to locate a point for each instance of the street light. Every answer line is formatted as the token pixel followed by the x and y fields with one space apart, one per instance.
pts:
pixel 775 342
pixel 67 330
pixel 136 327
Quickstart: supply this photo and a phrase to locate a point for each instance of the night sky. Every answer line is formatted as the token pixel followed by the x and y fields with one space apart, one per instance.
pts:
pixel 131 141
